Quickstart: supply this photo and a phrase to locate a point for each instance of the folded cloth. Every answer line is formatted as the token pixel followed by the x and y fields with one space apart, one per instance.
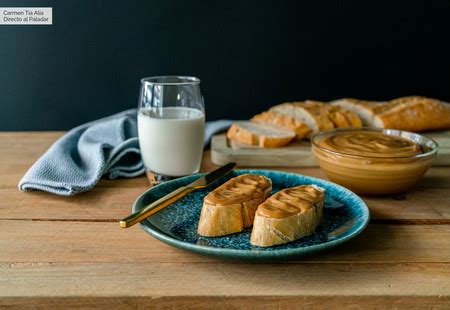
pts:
pixel 105 147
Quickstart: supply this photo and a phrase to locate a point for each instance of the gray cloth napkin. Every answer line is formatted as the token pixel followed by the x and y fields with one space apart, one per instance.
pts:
pixel 105 147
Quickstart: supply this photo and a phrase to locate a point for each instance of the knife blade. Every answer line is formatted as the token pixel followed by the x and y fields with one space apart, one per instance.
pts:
pixel 170 198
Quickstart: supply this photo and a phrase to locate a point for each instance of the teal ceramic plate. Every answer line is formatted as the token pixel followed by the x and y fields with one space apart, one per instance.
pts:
pixel 345 216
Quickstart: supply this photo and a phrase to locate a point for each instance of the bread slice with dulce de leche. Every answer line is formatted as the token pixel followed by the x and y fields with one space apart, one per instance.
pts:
pixel 288 215
pixel 231 207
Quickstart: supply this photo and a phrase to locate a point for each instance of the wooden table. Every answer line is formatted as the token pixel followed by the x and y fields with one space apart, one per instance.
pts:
pixel 70 249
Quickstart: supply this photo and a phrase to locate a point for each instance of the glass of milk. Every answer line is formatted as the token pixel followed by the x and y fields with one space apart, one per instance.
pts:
pixel 171 121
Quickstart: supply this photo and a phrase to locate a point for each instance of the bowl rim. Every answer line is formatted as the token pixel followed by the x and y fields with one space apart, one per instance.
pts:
pixel 387 131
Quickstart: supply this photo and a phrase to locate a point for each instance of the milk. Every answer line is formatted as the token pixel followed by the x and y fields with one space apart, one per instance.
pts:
pixel 171 139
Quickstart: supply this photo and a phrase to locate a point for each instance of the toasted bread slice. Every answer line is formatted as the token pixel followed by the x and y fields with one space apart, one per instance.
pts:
pixel 285 121
pixel 231 207
pixel 414 113
pixel 288 215
pixel 262 135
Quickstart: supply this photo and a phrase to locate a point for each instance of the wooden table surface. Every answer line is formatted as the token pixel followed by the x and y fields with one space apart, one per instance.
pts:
pixel 71 249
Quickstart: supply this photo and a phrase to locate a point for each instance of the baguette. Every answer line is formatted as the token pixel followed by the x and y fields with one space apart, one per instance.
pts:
pixel 262 135
pixel 365 110
pixel 285 121
pixel 308 112
pixel 288 215
pixel 320 116
pixel 231 207
pixel 342 118
pixel 314 104
pixel 414 113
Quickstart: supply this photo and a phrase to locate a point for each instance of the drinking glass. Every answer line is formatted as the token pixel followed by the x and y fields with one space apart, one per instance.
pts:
pixel 171 121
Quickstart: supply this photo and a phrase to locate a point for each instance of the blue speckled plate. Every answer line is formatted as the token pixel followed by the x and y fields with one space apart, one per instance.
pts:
pixel 345 216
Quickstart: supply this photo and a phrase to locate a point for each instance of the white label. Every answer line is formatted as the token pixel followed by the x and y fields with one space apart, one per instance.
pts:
pixel 26 16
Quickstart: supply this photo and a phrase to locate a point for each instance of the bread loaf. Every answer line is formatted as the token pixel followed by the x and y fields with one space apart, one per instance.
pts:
pixel 414 113
pixel 300 119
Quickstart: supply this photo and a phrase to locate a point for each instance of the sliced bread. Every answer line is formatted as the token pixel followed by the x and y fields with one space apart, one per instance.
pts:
pixel 231 207
pixel 288 215
pixel 342 118
pixel 306 112
pixel 365 110
pixel 320 116
pixel 285 121
pixel 259 134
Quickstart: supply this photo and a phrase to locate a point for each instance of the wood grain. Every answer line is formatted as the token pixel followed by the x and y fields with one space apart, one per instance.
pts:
pixel 223 280
pixel 99 204
pixel 82 242
pixel 70 251
pixel 19 150
pixel 231 302
pixel 112 199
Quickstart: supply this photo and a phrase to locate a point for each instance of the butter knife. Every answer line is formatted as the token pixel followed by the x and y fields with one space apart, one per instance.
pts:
pixel 163 202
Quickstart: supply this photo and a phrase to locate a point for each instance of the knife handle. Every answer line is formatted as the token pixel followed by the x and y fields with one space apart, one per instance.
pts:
pixel 154 207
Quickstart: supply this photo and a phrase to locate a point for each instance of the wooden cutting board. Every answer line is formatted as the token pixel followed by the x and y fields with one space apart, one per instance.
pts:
pixel 296 154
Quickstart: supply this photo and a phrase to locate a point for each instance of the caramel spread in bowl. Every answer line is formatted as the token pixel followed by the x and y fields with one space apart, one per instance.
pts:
pixel 371 143
pixel 239 189
pixel 374 161
pixel 290 201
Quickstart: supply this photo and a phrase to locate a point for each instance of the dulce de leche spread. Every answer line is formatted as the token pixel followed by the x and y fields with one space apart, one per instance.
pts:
pixel 290 201
pixel 372 144
pixel 239 189
pixel 372 161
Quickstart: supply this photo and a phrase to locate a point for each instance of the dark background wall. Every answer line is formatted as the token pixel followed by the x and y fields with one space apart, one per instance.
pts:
pixel 248 54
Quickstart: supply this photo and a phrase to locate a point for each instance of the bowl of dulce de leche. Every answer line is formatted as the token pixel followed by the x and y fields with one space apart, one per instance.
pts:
pixel 374 161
